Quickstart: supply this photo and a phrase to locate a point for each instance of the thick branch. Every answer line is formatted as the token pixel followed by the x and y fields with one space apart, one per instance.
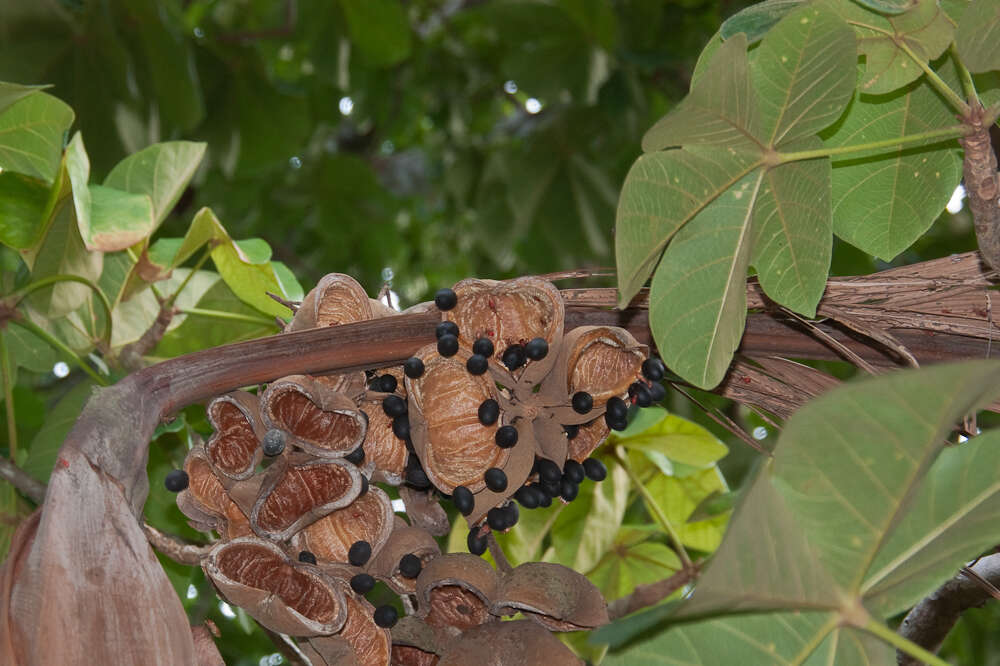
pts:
pixel 982 184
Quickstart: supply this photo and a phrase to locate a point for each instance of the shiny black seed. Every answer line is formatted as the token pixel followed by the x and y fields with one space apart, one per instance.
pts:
pixel 568 489
pixel 574 471
pixel 641 394
pixel 394 406
pixel 362 583
pixel 536 349
pixel 401 427
pixel 418 479
pixel 506 436
pixel 176 480
pixel 364 485
pixel 386 616
pixel 463 500
pixel 489 411
pixel 413 367
pixel 615 424
pixel 447 345
pixel 496 518
pixel 387 383
pixel 477 364
pixel 273 442
pixel 446 328
pixel 475 542
pixel 514 357
pixel 595 469
pixel 409 566
pixel 445 299
pixel 512 513
pixel 617 408
pixel 653 369
pixel 359 553
pixel 657 392
pixel 551 488
pixel 527 497
pixel 307 557
pixel 357 456
pixel 483 347
pixel 571 431
pixel 549 471
pixel 544 499
pixel 582 402
pixel 495 479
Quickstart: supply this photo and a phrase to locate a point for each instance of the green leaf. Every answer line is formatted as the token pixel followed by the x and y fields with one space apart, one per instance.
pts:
pixel 698 295
pixel 663 191
pixel 882 203
pixel 792 231
pixel 679 497
pixel 28 351
pixel 803 74
pixel 31 135
pixel 132 318
pixel 23 203
pixel 888 6
pixel 161 172
pixel 632 561
pixel 379 29
pixel 118 220
pixel 587 527
pixel 166 454
pixel 755 20
pixel 675 437
pixel 12 92
pixel 45 446
pixel 978 36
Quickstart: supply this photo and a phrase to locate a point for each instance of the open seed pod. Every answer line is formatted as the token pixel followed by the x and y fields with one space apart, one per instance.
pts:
pixel 371 644
pixel 414 642
pixel 600 360
pixel 385 454
pixel 328 651
pixel 324 422
pixel 510 313
pixel 409 655
pixel 234 449
pixel 454 592
pixel 297 490
pixel 404 540
pixel 336 299
pixel 553 595
pixel 206 502
pixel 425 511
pixel 368 518
pixel 588 438
pixel 284 595
pixel 517 643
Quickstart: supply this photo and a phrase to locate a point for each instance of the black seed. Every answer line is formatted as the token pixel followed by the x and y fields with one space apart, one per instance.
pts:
pixel 359 553
pixel 307 557
pixel 568 490
pixel 176 480
pixel 653 369
pixel 273 442
pixel 357 456
pixel 549 471
pixel 512 513
pixel 362 583
pixel 483 347
pixel 364 485
pixel 463 500
pixel 477 364
pixel 409 566
pixel 536 349
pixel 476 543
pixel 495 479
pixel 506 436
pixel 447 345
pixel 571 431
pixel 595 469
pixel 489 412
pixel 496 518
pixel 514 357
pixel 615 424
pixel 617 408
pixel 544 499
pixel 640 394
pixel 401 427
pixel 387 383
pixel 657 392
pixel 574 471
pixel 415 474
pixel 527 497
pixel 413 367
pixel 394 406
pixel 445 299
pixel 386 616
pixel 550 488
pixel 446 328
pixel 582 402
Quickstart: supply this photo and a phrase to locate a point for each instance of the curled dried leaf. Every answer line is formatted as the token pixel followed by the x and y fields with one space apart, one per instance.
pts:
pixel 455 590
pixel 319 420
pixel 368 518
pixel 284 595
pixel 336 299
pixel 517 643
pixel 553 595
pixel 298 490
pixel 234 449
pixel 404 540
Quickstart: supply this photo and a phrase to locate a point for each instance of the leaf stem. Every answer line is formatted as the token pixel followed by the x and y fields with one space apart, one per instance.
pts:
pixel 936 81
pixel 61 346
pixel 968 86
pixel 23 292
pixel 201 260
pixel 8 396
pixel 231 316
pixel 921 137
pixel 878 628
pixel 654 508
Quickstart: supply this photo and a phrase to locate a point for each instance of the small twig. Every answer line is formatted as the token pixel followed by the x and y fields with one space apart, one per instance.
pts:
pixel 577 274
pixel 291 305
pixel 723 421
pixel 177 549
pixel 652 593
pixel 851 355
pixel 503 565
pixel 982 184
pixel 130 357
pixel 15 476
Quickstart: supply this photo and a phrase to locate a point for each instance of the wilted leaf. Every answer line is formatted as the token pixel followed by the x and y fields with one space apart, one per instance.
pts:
pixel 978 36
pixel 31 135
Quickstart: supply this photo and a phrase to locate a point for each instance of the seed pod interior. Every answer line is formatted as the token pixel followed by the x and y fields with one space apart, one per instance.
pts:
pixel 300 491
pixel 234 448
pixel 319 420
pixel 368 518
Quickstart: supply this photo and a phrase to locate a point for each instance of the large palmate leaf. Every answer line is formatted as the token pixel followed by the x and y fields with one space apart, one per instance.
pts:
pixel 756 20
pixel 978 36
pixel 31 135
pixel 861 511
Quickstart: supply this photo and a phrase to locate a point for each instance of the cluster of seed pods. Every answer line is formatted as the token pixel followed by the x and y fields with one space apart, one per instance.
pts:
pixel 504 409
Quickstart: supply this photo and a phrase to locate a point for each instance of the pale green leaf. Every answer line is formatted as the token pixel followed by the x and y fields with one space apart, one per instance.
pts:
pixel 132 318
pixel 45 446
pixel 888 6
pixel 675 437
pixel 698 295
pixel 78 169
pixel 803 74
pixel 23 202
pixel 663 191
pixel 679 497
pixel 586 528
pixel 792 231
pixel 28 351
pixel 12 92
pixel 31 135
pixel 756 20
pixel 978 36
pixel 118 219
pixel 379 29
pixel 627 565
pixel 161 172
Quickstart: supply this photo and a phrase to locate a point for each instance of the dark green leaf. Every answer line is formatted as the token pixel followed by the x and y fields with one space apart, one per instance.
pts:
pixel 379 29
pixel 756 20
pixel 31 135
pixel 978 36
pixel 23 203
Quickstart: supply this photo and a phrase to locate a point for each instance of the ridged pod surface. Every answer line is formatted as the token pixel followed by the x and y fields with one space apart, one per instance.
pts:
pixel 454 592
pixel 319 420
pixel 336 299
pixel 370 644
pixel 206 502
pixel 517 643
pixel 368 518
pixel 404 540
pixel 385 454
pixel 234 449
pixel 588 438
pixel 284 595
pixel 553 595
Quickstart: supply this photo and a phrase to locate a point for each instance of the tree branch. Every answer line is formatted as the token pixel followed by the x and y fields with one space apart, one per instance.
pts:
pixel 653 593
pixel 15 476
pixel 177 549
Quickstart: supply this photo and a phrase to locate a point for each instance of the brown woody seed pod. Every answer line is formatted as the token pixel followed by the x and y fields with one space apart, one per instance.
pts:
pixel 553 595
pixel 368 518
pixel 370 644
pixel 385 454
pixel 324 422
pixel 234 449
pixel 336 299
pixel 517 643
pixel 454 592
pixel 404 540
